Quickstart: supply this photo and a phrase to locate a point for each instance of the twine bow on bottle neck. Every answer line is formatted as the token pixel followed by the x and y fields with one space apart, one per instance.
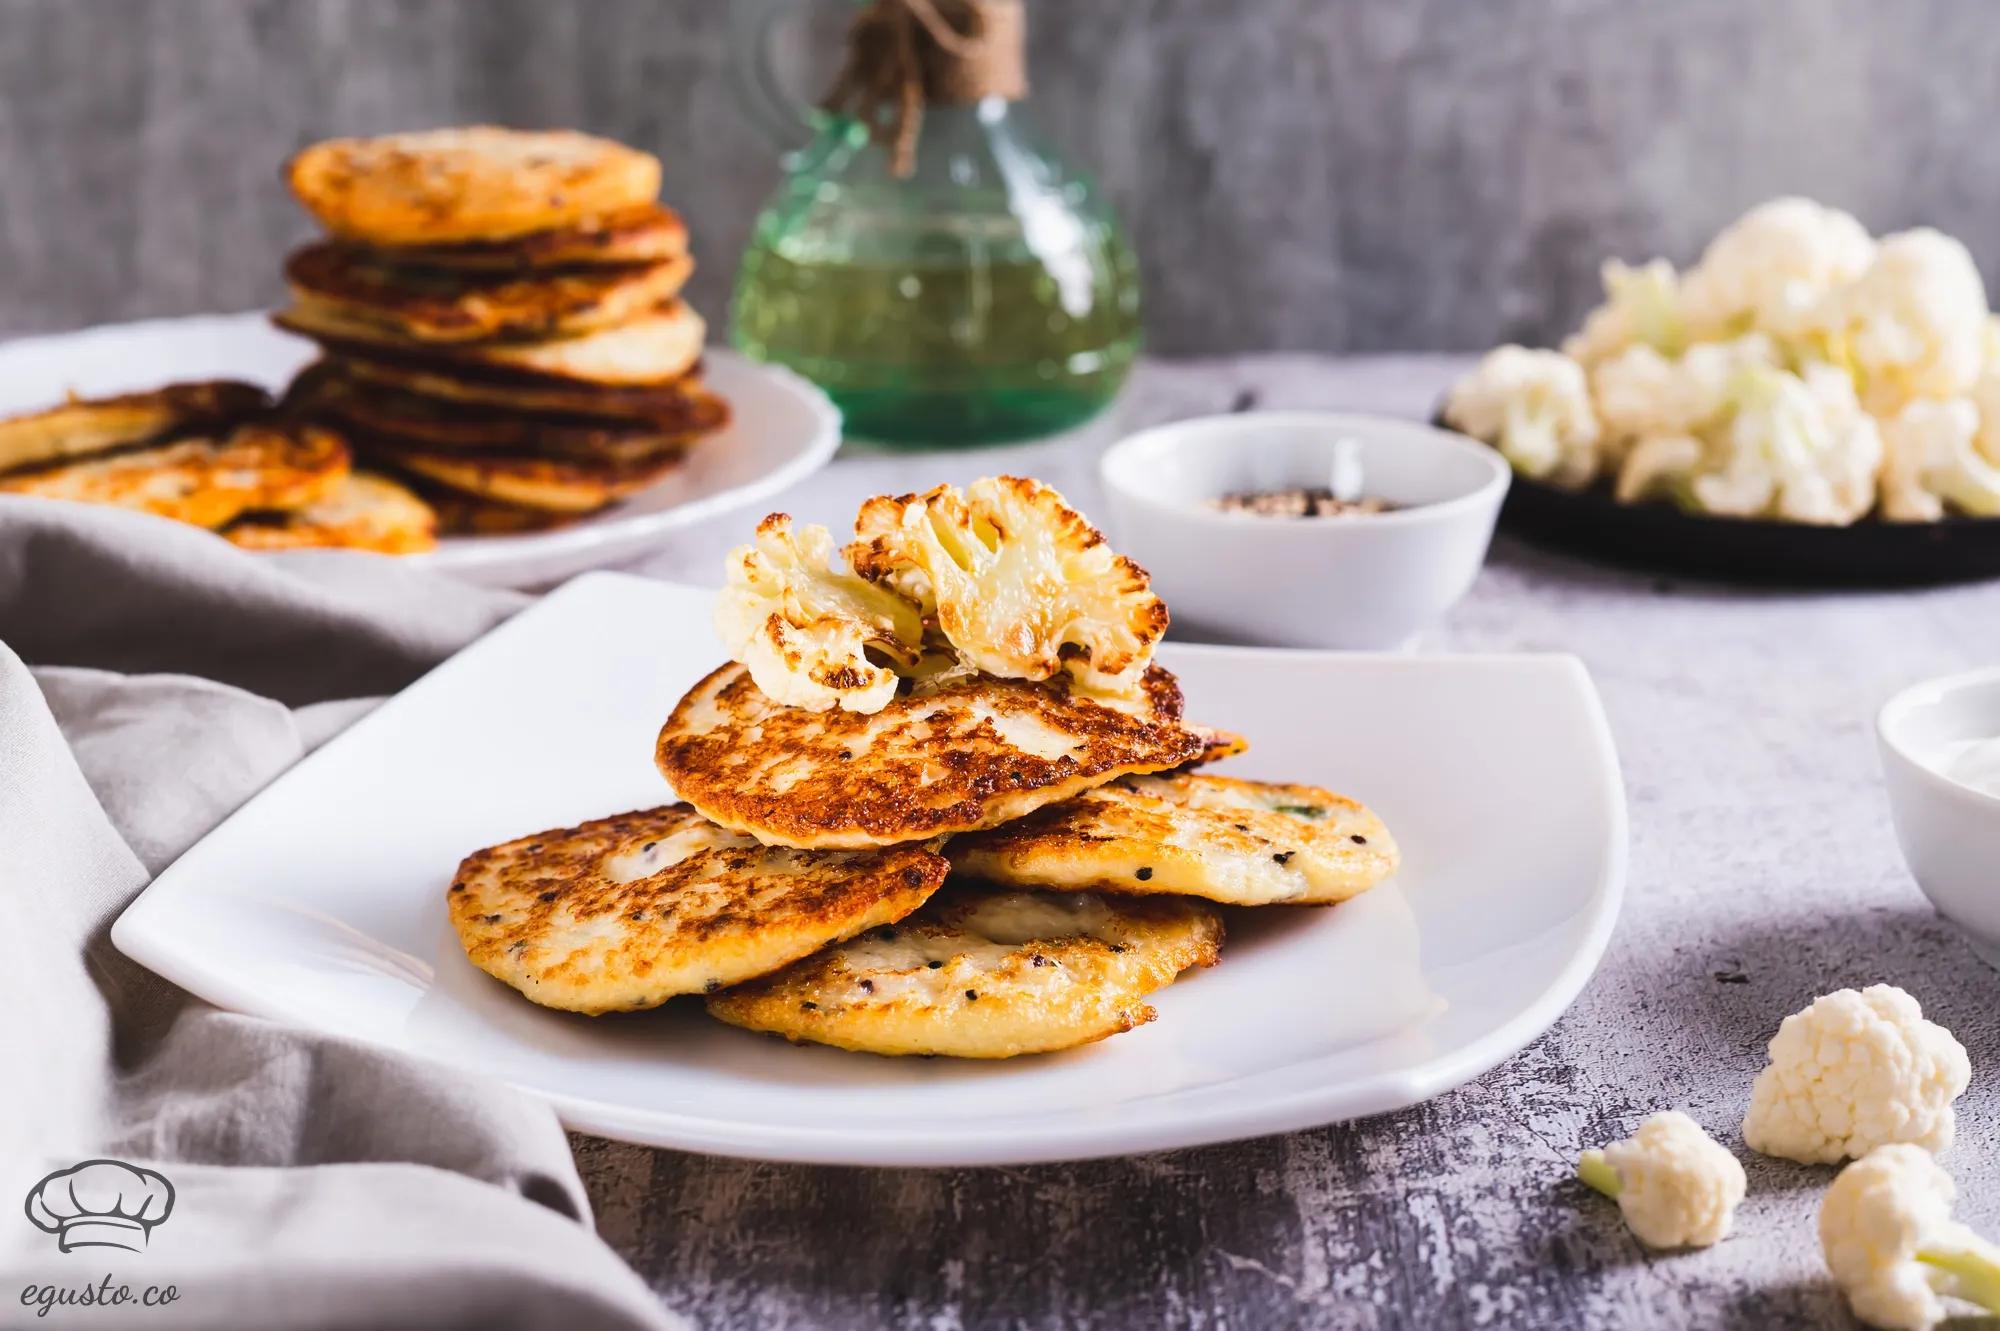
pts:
pixel 905 54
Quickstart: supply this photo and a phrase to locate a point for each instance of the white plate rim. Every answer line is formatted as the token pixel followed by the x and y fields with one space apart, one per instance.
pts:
pixel 977 1145
pixel 510 559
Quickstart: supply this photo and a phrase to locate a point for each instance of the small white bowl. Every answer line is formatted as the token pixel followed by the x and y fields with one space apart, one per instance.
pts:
pixel 1950 832
pixel 1370 580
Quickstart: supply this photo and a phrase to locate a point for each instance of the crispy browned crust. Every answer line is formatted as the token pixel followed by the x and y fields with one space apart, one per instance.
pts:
pixel 83 426
pixel 479 183
pixel 646 234
pixel 434 306
pixel 478 386
pixel 1248 843
pixel 936 983
pixel 1220 744
pixel 364 512
pixel 928 763
pixel 265 465
pixel 461 514
pixel 412 421
pixel 549 915
pixel 652 351
pixel 562 485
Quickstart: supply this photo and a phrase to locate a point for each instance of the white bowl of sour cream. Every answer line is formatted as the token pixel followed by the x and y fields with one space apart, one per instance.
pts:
pixel 1940 743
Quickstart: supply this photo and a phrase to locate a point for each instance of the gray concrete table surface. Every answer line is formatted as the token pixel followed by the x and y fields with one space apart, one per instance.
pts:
pixel 1763 872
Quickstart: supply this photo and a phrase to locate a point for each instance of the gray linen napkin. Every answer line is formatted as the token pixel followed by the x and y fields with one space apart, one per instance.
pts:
pixel 315 1182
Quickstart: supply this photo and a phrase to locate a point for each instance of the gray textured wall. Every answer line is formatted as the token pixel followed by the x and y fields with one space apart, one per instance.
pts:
pixel 1312 174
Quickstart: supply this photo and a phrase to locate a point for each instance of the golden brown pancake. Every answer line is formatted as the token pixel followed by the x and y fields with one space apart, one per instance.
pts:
pixel 412 421
pixel 364 512
pixel 625 912
pixel 466 385
pixel 983 973
pixel 461 514
pixel 655 349
pixel 83 426
pixel 431 305
pixel 646 234
pixel 560 485
pixel 950 755
pixel 480 183
pixel 266 465
pixel 1247 843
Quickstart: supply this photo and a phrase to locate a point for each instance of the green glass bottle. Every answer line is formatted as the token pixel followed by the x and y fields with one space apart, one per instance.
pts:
pixel 986 295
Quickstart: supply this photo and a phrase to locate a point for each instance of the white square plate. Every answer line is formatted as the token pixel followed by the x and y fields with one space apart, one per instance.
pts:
pixel 321 903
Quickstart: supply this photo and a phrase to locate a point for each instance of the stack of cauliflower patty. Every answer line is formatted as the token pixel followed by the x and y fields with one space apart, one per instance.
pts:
pixel 501 319
pixel 941 803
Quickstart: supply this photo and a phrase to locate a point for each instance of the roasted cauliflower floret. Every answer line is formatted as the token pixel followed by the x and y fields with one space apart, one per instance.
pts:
pixel 1016 580
pixel 1534 406
pixel 1768 268
pixel 1676 1186
pixel 812 637
pixel 1853 1071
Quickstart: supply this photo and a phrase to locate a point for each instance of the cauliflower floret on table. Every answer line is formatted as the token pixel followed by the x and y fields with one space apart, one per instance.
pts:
pixel 1769 268
pixel 804 631
pixel 1914 325
pixel 1887 1234
pixel 1016 580
pixel 1933 458
pixel 1534 406
pixel 1641 306
pixel 1676 1186
pixel 1853 1071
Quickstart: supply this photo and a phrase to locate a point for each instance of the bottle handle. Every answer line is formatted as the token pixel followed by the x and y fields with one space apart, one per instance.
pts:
pixel 785 120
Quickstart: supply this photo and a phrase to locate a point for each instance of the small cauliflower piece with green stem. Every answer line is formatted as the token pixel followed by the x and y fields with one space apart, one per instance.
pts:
pixel 1933 458
pixel 1534 406
pixel 1771 266
pixel 1676 1186
pixel 1855 1070
pixel 1914 325
pixel 1886 1231
pixel 806 632
pixel 1641 307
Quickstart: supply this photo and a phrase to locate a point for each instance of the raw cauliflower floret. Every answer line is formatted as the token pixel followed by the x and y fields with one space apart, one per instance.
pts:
pixel 1534 406
pixel 806 632
pixel 1932 457
pixel 1914 325
pixel 1640 394
pixel 1676 1186
pixel 1886 1231
pixel 1016 580
pixel 1785 446
pixel 1986 401
pixel 1770 267
pixel 1853 1071
pixel 1641 305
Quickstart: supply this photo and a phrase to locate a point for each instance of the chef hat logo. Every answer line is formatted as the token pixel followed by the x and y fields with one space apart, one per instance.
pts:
pixel 101 1204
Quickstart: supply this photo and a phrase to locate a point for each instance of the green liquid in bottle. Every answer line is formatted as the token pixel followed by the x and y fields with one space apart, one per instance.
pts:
pixel 990 300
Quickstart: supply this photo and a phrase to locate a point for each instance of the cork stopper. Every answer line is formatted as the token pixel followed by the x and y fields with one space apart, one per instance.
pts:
pixel 903 55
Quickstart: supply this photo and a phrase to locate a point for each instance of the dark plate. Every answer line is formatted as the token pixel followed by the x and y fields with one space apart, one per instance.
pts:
pixel 1661 538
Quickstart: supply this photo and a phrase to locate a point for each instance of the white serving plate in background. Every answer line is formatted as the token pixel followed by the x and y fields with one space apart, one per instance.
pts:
pixel 782 429
pixel 321 903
